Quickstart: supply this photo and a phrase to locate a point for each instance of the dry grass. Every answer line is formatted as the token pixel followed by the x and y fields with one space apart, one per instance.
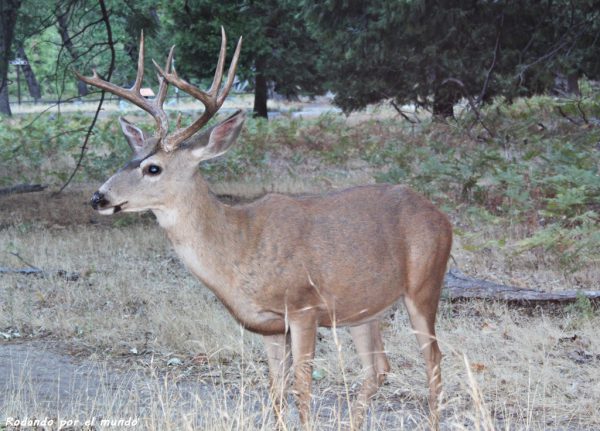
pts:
pixel 477 252
pixel 135 336
pixel 135 308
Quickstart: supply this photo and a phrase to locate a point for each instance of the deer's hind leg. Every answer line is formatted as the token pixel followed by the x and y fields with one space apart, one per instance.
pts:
pixel 279 353
pixel 369 346
pixel 422 318
pixel 382 365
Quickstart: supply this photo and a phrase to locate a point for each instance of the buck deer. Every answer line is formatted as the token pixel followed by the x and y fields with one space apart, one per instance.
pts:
pixel 283 265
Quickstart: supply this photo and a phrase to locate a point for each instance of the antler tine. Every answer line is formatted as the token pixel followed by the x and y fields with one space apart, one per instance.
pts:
pixel 183 85
pixel 231 73
pixel 139 77
pixel 133 94
pixel 164 84
pixel 212 100
pixel 214 88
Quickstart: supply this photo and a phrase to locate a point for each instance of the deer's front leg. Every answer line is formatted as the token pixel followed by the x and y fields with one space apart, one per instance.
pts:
pixel 303 330
pixel 279 355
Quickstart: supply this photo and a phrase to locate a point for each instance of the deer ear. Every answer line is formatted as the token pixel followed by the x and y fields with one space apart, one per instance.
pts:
pixel 220 137
pixel 133 134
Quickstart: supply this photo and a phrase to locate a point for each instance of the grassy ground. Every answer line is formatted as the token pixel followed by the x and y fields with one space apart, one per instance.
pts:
pixel 155 345
pixel 135 308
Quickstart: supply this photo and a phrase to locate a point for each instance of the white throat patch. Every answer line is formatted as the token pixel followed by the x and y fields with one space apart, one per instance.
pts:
pixel 166 217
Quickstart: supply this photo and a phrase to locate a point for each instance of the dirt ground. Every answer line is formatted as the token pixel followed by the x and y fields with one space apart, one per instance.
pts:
pixel 69 208
pixel 67 382
pixel 526 369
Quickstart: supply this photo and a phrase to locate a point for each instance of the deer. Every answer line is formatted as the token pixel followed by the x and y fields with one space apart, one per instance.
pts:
pixel 285 265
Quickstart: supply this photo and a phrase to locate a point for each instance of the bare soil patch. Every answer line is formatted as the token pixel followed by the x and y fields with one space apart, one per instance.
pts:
pixel 50 209
pixel 43 376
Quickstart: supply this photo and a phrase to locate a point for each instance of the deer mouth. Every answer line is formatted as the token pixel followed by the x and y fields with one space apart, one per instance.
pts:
pixel 112 210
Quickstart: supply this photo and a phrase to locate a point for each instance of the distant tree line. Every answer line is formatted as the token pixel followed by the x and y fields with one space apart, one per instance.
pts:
pixel 428 53
pixel 433 53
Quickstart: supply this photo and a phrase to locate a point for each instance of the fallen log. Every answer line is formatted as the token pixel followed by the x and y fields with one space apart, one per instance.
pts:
pixel 22 188
pixel 458 286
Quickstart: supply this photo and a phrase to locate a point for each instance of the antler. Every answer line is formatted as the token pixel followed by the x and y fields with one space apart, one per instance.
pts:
pixel 154 107
pixel 212 99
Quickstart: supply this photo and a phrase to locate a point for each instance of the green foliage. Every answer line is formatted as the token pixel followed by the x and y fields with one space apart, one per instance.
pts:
pixel 249 155
pixel 53 62
pixel 538 170
pixel 432 53
pixel 45 150
pixel 276 43
pixel 582 308
pixel 368 51
pixel 575 247
pixel 277 46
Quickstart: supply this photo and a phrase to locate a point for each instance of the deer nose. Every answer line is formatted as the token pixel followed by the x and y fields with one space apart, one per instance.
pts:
pixel 98 200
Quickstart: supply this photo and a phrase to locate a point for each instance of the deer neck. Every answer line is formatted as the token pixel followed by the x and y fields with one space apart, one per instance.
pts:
pixel 201 230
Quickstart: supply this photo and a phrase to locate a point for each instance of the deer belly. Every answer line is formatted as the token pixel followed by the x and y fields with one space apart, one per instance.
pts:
pixel 260 322
pixel 358 299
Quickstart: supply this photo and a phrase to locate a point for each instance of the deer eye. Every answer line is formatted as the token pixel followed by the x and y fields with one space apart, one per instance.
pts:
pixel 152 170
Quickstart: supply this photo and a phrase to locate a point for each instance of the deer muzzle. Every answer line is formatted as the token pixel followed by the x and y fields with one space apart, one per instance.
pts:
pixel 98 201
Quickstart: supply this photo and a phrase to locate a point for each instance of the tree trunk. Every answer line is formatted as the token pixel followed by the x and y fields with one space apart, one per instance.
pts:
pixel 566 84
pixel 260 90
pixel 32 83
pixel 4 105
pixel 573 84
pixel 62 21
pixel 8 18
pixel 443 103
pixel 82 88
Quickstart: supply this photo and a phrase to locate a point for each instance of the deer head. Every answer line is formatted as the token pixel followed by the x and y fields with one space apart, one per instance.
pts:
pixel 163 162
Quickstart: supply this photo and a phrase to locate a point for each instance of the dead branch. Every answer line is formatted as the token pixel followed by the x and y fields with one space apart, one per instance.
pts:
pixel 564 115
pixel 111 68
pixel 471 102
pixel 401 112
pixel 22 188
pixel 34 270
pixel 26 271
pixel 18 256
pixel 53 105
pixel 69 276
pixel 459 286
pixel 583 116
pixel 491 69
